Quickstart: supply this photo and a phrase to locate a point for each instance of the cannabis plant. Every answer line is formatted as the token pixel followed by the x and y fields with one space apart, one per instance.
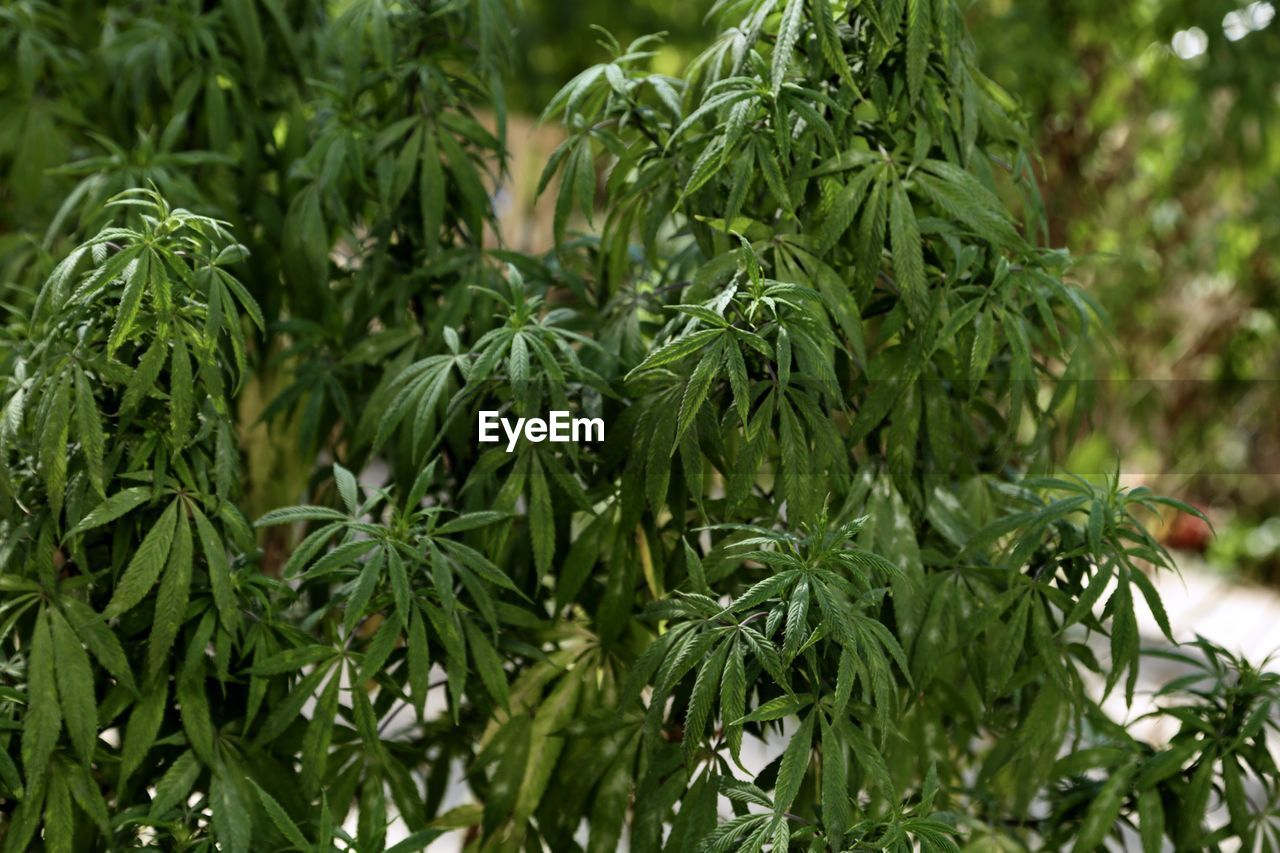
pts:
pixel 821 586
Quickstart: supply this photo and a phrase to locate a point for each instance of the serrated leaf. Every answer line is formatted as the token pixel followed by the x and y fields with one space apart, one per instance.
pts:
pixel 835 786
pixel 175 784
pixel 919 34
pixel 542 529
pixel 280 818
pixel 180 393
pixel 144 567
pixel 89 431
pixel 112 508
pixel 136 276
pixel 1103 811
pixel 702 701
pixel 295 514
pixel 144 724
pixel 784 47
pixel 795 762
pixel 171 600
pixel 908 257
pixel 733 699
pixel 75 687
pixel 347 488
pixel 53 443
pixel 678 349
pixel 215 556
pixel 696 389
pixel 44 717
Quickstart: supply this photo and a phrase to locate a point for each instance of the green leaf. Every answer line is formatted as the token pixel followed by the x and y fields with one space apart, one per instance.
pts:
pixel 983 346
pixel 1104 810
pixel 784 47
pixel 362 592
pixel 291 660
pixel 317 740
pixel 58 820
pixel 470 521
pixel 829 41
pixel 697 388
pixel 347 488
pixel 119 504
pixel 1152 596
pixel 419 662
pixel 1092 592
pixel 143 381
pixel 678 349
pixel 215 557
pixel 136 275
pixel 175 784
pixel 835 784
pixel 777 708
pixel 89 431
pixel 171 601
pixel 75 687
pixel 488 664
pixel 101 641
pixel 1002 665
pixel 229 811
pixel 144 724
pixel 180 398
pixel 702 701
pixel 400 590
pixel 44 715
pixel 795 762
pixel 295 514
pixel 541 519
pixel 53 444
pixel 1151 820
pixel 280 818
pixel 193 709
pixel 919 33
pixel 908 257
pixel 733 699
pixel 145 565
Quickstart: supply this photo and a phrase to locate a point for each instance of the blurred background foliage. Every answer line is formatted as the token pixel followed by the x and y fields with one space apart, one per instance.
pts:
pixel 1160 141
pixel 1159 134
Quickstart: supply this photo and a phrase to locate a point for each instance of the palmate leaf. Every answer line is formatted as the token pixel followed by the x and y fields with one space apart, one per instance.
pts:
pixel 794 272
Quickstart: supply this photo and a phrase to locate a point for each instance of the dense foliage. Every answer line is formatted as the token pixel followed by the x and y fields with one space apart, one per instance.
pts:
pixel 819 588
pixel 1168 112
pixel 1155 125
